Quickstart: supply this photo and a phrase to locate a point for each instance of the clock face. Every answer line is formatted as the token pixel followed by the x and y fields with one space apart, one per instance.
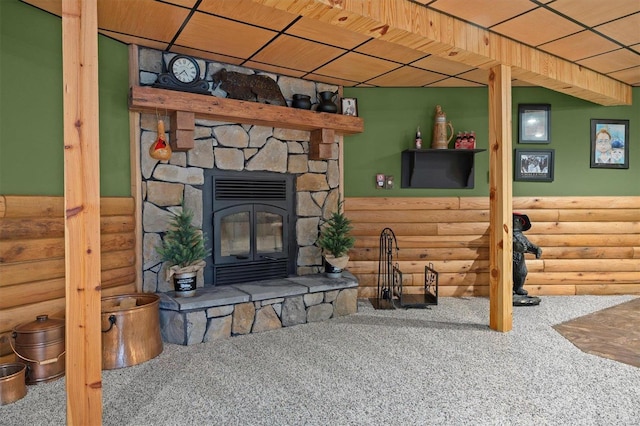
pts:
pixel 184 69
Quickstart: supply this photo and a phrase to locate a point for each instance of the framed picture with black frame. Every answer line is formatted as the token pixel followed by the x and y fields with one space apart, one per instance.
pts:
pixel 534 123
pixel 350 106
pixel 609 144
pixel 534 165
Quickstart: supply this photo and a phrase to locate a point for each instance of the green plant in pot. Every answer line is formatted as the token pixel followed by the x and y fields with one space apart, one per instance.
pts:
pixel 335 242
pixel 183 247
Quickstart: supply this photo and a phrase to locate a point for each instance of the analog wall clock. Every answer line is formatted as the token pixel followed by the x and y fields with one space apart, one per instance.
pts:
pixel 183 73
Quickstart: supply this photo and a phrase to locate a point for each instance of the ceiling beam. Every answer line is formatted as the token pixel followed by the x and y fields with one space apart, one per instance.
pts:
pixel 415 26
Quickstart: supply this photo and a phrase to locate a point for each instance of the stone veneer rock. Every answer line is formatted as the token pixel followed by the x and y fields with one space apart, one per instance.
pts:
pixel 230 146
pixel 226 311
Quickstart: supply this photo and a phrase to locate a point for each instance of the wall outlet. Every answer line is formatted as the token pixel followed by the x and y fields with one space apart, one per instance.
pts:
pixel 388 182
pixel 380 180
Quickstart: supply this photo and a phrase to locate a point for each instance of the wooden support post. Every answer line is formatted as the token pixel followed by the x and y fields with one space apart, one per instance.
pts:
pixel 82 212
pixel 320 143
pixel 500 198
pixel 181 130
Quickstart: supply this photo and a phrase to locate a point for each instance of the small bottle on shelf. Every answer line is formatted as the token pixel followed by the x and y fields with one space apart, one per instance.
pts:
pixel 458 141
pixel 418 139
pixel 472 140
pixel 464 141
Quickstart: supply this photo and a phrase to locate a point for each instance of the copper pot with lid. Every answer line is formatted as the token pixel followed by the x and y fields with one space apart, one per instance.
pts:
pixel 40 344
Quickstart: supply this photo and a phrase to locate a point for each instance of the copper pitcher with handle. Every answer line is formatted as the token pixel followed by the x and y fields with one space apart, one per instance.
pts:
pixel 440 138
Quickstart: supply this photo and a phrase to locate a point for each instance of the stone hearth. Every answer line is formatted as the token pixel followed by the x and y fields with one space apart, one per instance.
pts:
pixel 238 309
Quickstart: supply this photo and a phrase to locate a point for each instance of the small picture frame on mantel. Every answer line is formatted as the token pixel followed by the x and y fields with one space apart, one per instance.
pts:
pixel 350 107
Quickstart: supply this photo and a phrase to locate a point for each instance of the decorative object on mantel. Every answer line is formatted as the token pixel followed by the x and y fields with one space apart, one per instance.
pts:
pixel 335 242
pixel 184 248
pixel 183 73
pixel 301 101
pixel 326 102
pixel 350 106
pixel 245 87
pixel 440 139
pixel 160 149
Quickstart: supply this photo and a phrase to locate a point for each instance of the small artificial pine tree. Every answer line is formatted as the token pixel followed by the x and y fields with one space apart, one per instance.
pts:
pixel 183 244
pixel 335 239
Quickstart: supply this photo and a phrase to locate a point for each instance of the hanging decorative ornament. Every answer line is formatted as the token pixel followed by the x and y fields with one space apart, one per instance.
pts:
pixel 160 149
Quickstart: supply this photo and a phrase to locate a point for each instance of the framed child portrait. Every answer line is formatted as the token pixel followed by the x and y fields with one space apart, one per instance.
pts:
pixel 350 106
pixel 609 144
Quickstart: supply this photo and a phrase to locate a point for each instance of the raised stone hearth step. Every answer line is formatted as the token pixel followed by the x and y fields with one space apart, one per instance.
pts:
pixel 225 311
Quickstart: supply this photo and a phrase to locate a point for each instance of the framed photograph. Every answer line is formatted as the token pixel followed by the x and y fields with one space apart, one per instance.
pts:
pixel 535 165
pixel 534 123
pixel 610 144
pixel 350 106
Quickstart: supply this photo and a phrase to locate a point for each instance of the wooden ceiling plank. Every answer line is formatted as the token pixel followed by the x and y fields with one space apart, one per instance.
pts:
pixel 430 28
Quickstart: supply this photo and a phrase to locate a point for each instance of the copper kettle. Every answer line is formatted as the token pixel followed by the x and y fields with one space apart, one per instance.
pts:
pixel 440 139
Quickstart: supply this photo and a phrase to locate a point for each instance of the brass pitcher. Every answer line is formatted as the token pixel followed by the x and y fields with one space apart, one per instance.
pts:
pixel 440 139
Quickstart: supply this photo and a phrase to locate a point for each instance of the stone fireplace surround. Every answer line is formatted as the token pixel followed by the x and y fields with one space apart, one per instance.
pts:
pixel 236 147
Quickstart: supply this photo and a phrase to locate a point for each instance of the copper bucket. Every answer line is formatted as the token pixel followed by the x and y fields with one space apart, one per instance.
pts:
pixel 130 329
pixel 40 344
pixel 12 382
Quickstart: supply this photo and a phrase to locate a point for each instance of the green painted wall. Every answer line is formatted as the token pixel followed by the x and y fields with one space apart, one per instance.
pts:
pixel 31 154
pixel 391 117
pixel 31 128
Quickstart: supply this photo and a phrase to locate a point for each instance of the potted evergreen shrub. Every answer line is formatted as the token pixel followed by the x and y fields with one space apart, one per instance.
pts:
pixel 335 243
pixel 183 247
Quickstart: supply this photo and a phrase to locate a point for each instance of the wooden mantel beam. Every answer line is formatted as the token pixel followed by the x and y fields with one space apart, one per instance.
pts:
pixel 412 25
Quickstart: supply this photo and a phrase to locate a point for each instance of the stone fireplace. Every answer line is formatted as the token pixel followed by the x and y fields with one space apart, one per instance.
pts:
pixel 260 200
pixel 237 150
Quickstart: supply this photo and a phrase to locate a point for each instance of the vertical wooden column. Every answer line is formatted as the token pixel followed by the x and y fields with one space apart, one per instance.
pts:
pixel 500 198
pixel 82 212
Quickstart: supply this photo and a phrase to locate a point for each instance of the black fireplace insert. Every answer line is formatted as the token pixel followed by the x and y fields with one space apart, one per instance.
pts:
pixel 249 218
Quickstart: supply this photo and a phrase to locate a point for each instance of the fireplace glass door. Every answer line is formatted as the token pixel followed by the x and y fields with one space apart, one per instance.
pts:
pixel 250 232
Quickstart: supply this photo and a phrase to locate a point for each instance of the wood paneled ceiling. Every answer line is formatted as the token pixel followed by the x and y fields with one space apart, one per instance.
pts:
pixel 333 41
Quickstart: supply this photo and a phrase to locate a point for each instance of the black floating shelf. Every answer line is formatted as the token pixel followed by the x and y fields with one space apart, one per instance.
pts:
pixel 438 168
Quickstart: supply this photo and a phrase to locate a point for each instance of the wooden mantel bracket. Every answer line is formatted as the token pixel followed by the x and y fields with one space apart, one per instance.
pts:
pixel 323 126
pixel 320 143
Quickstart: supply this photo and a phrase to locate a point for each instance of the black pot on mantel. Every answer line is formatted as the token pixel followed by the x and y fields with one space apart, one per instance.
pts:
pixel 301 101
pixel 326 103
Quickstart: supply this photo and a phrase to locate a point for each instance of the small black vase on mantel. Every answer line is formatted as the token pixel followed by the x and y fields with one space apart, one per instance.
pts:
pixel 301 101
pixel 326 102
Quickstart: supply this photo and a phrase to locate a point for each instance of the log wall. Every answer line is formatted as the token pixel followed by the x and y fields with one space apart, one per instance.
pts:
pixel 590 245
pixel 32 267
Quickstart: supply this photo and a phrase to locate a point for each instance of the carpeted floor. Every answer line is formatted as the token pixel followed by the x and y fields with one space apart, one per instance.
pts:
pixel 439 366
pixel 612 333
